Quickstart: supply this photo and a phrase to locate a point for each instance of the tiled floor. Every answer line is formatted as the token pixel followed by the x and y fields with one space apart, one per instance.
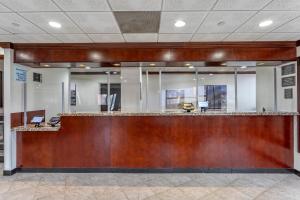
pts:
pixel 108 186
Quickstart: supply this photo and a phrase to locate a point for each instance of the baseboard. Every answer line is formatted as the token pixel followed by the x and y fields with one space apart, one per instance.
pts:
pixel 297 172
pixel 142 170
pixel 9 172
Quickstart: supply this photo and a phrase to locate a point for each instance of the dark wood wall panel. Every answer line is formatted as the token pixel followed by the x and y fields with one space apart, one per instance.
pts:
pixel 140 142
pixel 17 118
pixel 139 52
pixel 161 142
pixel 298 97
pixel 82 142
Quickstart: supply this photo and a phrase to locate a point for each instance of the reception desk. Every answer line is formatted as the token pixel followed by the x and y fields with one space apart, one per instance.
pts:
pixel 159 142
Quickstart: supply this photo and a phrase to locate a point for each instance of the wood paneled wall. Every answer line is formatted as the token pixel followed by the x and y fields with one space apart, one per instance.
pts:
pixel 17 119
pixel 161 142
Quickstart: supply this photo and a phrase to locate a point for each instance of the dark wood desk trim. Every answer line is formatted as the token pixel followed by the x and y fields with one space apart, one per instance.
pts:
pixel 155 52
pixel 6 45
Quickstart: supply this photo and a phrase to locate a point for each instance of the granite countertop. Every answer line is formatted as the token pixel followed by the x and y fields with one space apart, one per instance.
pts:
pixel 32 128
pixel 179 114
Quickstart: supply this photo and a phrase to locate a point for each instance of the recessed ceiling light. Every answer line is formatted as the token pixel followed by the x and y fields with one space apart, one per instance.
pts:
pixel 265 23
pixel 179 23
pixel 211 74
pixel 117 64
pixel 81 65
pixel 191 67
pixel 243 67
pixel 87 67
pixel 115 72
pixel 46 65
pixel 223 64
pixel 194 79
pixel 187 64
pixel 107 72
pixel 152 64
pixel 54 24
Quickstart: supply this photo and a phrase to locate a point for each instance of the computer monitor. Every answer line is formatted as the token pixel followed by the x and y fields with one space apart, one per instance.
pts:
pixel 203 104
pixel 37 120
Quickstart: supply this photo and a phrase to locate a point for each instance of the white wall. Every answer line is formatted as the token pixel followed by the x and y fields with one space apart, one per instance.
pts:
pixel 130 89
pixel 88 89
pixel 46 95
pixel 153 96
pixel 265 88
pixel 246 92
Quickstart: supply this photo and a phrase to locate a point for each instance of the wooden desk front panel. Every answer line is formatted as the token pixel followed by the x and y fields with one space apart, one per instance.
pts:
pixel 161 142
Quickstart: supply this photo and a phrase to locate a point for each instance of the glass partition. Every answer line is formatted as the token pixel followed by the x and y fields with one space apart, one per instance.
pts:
pixel 216 89
pixel 181 87
pixel 178 88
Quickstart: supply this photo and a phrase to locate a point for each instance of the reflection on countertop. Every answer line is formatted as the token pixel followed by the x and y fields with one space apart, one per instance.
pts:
pixel 172 113
pixel 32 128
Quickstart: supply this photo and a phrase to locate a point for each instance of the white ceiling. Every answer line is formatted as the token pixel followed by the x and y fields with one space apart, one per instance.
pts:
pixel 85 21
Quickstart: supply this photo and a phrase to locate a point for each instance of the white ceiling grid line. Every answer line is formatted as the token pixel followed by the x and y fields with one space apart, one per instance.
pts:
pixel 192 38
pixel 270 1
pixel 71 20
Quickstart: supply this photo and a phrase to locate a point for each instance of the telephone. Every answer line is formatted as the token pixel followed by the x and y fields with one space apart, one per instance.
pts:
pixel 54 121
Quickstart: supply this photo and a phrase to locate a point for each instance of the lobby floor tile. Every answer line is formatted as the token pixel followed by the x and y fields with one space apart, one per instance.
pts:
pixel 128 186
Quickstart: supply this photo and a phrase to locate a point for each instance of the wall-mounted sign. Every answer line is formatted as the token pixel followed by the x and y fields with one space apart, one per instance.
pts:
pixel 288 93
pixel 37 77
pixel 73 98
pixel 20 74
pixel 288 81
pixel 288 69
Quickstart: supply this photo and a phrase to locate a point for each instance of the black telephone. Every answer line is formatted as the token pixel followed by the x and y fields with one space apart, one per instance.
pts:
pixel 54 121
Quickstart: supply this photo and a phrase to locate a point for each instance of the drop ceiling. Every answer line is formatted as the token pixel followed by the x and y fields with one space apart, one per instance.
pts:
pixel 105 21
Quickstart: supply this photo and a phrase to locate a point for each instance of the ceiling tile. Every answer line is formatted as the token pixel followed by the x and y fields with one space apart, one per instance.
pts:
pixel 42 20
pixel 142 37
pixel 278 18
pixel 80 5
pixel 280 37
pixel 284 5
pixel 39 38
pixel 95 22
pixel 182 5
pixel 136 5
pixel 102 38
pixel 224 21
pixel 192 19
pixel 241 4
pixel 13 23
pixel 292 26
pixel 243 36
pixel 138 21
pixel 3 32
pixel 174 37
pixel 30 5
pixel 209 37
pixel 4 9
pixel 72 38
pixel 12 38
